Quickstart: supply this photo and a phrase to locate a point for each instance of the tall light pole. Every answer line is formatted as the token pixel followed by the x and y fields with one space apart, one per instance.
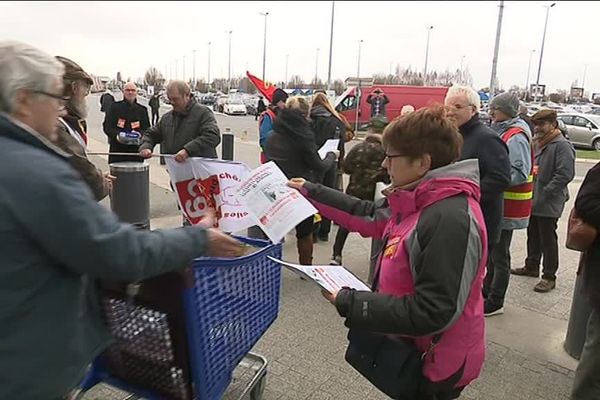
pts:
pixel 265 14
pixel 194 68
pixel 287 57
pixel 462 60
pixel 208 72
pixel 357 94
pixel 537 81
pixel 583 81
pixel 330 46
pixel 176 70
pixel 528 70
pixel 229 67
pixel 429 28
pixel 496 49
pixel 317 67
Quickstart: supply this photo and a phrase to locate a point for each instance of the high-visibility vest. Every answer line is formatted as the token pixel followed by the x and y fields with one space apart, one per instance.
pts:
pixel 518 199
pixel 270 113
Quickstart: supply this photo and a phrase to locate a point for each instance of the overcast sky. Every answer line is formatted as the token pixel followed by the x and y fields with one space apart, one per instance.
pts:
pixel 106 37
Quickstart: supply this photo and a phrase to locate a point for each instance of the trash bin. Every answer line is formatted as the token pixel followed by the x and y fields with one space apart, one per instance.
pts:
pixel 580 314
pixel 130 196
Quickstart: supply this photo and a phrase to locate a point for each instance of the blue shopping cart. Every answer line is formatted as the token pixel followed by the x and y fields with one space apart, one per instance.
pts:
pixel 188 335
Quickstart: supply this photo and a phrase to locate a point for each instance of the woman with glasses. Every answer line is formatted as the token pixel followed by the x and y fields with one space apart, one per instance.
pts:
pixel 429 274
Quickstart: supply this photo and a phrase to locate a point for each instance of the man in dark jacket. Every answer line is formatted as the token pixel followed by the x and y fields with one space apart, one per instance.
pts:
pixel 125 122
pixel 189 130
pixel 260 108
pixel 56 240
pixel 378 100
pixel 72 128
pixel 586 385
pixel 554 168
pixel 485 145
pixel 154 104
pixel 106 100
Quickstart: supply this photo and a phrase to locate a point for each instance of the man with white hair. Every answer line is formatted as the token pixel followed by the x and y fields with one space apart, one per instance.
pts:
pixel 56 240
pixel 188 130
pixel 485 145
pixel 125 122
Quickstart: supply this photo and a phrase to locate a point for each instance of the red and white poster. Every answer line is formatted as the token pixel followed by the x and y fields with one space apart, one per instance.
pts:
pixel 203 185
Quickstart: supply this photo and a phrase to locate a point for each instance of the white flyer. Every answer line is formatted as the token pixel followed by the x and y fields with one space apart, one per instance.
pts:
pixel 330 145
pixel 329 277
pixel 277 207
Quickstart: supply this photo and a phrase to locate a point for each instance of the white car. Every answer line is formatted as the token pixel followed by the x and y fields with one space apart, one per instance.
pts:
pixel 234 107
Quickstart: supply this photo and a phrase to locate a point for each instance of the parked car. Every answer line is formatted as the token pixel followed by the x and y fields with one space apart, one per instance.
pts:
pixel 583 129
pixel 234 106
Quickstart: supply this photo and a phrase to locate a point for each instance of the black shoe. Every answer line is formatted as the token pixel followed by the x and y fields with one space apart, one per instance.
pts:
pixel 490 309
pixel 323 237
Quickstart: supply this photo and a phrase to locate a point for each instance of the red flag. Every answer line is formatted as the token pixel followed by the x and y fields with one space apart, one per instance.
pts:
pixel 266 88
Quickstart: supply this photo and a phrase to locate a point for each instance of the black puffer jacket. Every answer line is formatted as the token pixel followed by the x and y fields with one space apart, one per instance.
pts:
pixel 292 147
pixel 587 205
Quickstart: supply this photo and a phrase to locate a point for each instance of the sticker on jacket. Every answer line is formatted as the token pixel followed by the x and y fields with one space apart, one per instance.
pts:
pixel 390 248
pixel 135 125
pixel 121 123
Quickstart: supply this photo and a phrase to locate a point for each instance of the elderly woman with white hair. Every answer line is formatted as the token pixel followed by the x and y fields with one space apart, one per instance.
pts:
pixel 480 142
pixel 56 241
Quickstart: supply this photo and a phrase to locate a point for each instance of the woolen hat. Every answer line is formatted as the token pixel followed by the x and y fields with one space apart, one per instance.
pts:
pixel 507 103
pixel 279 95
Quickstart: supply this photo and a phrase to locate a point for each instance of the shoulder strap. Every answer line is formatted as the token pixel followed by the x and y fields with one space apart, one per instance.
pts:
pixel 73 133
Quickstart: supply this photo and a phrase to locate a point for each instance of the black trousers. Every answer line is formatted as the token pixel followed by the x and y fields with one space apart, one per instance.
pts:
pixel 542 244
pixel 329 180
pixel 154 117
pixel 498 269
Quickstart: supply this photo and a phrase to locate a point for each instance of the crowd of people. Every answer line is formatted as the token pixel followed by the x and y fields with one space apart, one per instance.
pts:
pixel 449 179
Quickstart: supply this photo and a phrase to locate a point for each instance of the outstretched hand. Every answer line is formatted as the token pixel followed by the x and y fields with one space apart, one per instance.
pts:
pixel 296 183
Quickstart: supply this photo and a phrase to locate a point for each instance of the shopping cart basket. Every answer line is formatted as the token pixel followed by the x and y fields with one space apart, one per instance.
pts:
pixel 181 336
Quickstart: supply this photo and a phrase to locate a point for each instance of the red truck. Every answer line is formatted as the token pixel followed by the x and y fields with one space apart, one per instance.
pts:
pixel 399 96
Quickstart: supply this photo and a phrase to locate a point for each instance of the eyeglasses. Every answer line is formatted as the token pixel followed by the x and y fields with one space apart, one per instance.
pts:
pixel 63 99
pixel 459 107
pixel 390 156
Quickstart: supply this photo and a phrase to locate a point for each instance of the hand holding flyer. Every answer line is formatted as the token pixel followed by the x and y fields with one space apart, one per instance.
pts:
pixel 277 207
pixel 329 277
pixel 330 145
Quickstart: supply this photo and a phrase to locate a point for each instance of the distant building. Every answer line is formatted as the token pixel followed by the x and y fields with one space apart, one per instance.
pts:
pixel 99 84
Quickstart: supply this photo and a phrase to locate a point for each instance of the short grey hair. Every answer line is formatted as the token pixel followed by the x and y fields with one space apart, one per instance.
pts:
pixel 181 86
pixel 467 91
pixel 25 67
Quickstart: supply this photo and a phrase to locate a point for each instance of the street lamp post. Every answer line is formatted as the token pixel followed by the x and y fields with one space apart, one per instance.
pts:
pixel 583 80
pixel 194 68
pixel 208 72
pixel 429 28
pixel 287 57
pixel 176 70
pixel 265 14
pixel 229 67
pixel 537 81
pixel 330 46
pixel 528 70
pixel 357 94
pixel 462 76
pixel 496 49
pixel 317 67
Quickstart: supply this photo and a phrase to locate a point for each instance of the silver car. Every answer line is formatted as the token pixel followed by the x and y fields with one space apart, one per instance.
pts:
pixel 584 129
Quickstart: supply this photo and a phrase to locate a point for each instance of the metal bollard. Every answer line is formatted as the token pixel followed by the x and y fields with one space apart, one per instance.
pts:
pixel 227 145
pixel 162 159
pixel 578 319
pixel 130 196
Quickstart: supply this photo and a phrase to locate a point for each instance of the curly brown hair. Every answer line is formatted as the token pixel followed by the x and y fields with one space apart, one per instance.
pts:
pixel 425 131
